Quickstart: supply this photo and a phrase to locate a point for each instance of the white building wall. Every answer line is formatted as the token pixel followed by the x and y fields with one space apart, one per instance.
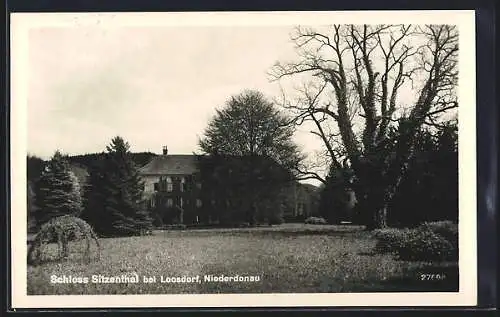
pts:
pixel 149 181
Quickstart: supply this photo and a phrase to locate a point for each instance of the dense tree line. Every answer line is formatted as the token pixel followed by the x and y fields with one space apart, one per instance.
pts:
pixel 429 191
pixel 36 164
pixel 90 160
pixel 110 199
pixel 250 162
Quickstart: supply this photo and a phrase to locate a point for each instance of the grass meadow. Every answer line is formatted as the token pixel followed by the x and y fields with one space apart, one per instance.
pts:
pixel 289 258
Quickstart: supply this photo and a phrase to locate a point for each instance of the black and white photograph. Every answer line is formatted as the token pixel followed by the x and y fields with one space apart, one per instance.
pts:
pixel 243 159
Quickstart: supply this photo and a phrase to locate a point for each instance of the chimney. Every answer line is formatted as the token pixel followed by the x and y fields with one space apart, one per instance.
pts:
pixel 165 150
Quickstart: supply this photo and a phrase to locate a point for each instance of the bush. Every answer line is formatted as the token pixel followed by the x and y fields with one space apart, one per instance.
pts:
pixel 316 221
pixel 389 240
pixel 428 242
pixel 445 229
pixel 425 245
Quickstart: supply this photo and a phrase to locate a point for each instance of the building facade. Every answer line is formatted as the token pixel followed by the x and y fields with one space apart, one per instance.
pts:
pixel 174 193
pixel 171 188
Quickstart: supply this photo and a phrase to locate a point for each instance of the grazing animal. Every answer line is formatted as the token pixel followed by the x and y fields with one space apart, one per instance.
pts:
pixel 62 229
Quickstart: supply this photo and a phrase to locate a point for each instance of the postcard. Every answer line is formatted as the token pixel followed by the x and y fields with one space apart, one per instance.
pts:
pixel 243 159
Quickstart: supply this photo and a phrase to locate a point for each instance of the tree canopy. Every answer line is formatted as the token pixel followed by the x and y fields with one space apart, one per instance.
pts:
pixel 251 156
pixel 114 200
pixel 58 191
pixel 250 125
pixel 364 80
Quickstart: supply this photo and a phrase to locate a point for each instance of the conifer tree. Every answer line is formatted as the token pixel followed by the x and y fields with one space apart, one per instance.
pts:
pixel 96 193
pixel 31 206
pixel 115 198
pixel 58 191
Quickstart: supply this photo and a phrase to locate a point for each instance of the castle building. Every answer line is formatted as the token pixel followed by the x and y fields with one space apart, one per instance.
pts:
pixel 173 188
pixel 170 183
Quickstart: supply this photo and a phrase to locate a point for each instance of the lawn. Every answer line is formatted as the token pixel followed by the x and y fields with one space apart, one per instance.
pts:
pixel 294 258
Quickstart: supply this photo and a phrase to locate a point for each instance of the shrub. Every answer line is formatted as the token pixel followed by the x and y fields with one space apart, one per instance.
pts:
pixel 427 242
pixel 425 245
pixel 445 229
pixel 316 221
pixel 389 240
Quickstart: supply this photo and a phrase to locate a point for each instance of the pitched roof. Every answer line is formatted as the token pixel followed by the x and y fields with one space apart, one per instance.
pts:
pixel 172 164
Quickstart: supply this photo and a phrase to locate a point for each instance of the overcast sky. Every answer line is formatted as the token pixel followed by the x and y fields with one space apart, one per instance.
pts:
pixel 154 86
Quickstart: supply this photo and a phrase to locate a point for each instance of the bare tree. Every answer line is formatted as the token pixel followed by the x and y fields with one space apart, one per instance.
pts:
pixel 359 78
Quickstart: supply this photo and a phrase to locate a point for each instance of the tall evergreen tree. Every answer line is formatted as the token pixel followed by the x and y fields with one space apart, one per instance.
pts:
pixel 114 204
pixel 96 194
pixel 58 190
pixel 31 206
pixel 35 166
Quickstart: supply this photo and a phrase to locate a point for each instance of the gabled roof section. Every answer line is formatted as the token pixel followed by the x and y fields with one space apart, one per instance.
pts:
pixel 171 164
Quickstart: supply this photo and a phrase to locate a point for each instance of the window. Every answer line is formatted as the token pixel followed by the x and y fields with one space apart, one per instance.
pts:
pixel 181 202
pixel 153 203
pixel 198 185
pixel 170 202
pixel 183 184
pixel 170 186
pixel 156 187
pixel 198 203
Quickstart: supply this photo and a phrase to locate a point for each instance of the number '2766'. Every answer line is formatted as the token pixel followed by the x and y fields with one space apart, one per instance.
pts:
pixel 432 277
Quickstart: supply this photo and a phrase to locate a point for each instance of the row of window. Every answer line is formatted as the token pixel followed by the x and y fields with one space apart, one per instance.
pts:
pixel 166 184
pixel 170 202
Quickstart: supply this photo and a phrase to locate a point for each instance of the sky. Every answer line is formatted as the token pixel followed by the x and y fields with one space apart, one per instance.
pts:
pixel 154 86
